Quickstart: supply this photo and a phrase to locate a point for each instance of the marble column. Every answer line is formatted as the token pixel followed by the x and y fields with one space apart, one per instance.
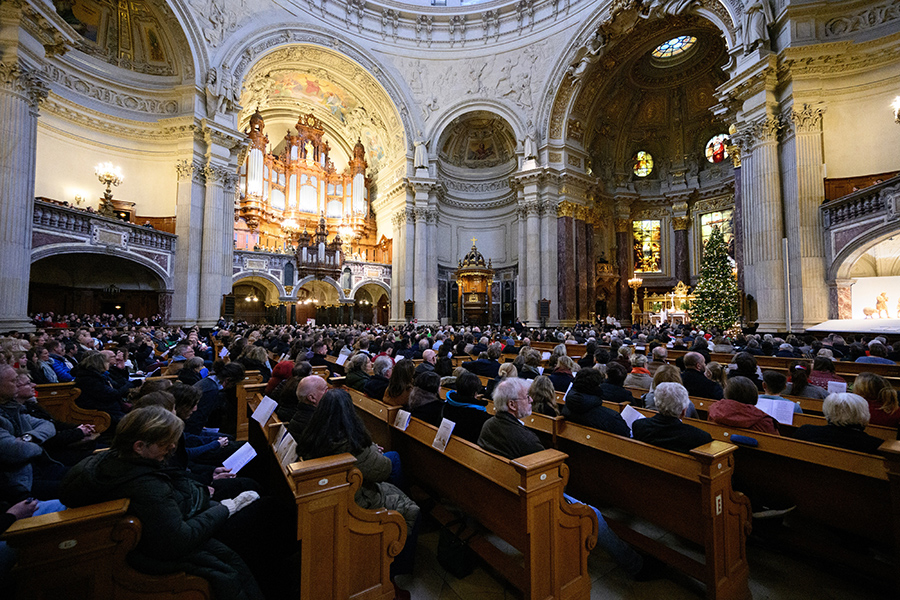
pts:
pixel 682 257
pixel 764 227
pixel 566 280
pixel 623 266
pixel 409 261
pixel 189 228
pixel 804 192
pixel 21 93
pixel 581 269
pixel 549 261
pixel 420 271
pixel 211 270
pixel 522 280
pixel 590 270
pixel 398 220
pixel 840 299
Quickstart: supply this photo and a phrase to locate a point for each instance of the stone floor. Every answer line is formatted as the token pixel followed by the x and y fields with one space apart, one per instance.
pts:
pixel 773 576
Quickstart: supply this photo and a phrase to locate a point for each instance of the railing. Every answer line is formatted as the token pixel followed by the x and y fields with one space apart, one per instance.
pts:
pixel 860 204
pixel 62 218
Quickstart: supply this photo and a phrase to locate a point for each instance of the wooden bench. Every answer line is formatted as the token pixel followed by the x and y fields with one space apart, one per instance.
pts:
pixel 58 399
pixel 246 389
pixel 688 495
pixel 518 500
pixel 346 550
pixel 81 553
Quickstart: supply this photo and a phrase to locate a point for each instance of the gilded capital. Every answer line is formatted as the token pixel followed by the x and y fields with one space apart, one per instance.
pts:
pixel 680 223
pixel 623 225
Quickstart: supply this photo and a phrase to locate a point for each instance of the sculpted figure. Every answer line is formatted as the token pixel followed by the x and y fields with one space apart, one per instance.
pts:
pixel 420 160
pixel 758 16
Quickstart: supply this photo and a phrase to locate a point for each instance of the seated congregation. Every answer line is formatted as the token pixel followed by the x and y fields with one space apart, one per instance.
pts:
pixel 176 406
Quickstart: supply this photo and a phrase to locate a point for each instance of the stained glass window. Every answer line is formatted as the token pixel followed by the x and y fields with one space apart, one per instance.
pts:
pixel 725 221
pixel 646 246
pixel 674 47
pixel 643 164
pixel 716 148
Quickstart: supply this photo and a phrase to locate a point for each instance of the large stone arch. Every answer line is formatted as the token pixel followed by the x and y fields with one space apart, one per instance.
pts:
pixel 260 277
pixel 377 282
pixel 562 90
pixel 327 280
pixel 512 117
pixel 57 250
pixel 840 268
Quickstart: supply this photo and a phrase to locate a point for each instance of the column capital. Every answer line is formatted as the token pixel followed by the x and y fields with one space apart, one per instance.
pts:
pixel 681 223
pixel 29 84
pixel 217 174
pixel 188 169
pixel 806 120
pixel 623 225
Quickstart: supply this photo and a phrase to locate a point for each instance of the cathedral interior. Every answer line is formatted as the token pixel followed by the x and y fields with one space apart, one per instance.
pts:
pixel 341 161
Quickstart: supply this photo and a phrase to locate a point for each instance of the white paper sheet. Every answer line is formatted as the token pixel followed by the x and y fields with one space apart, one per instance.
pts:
pixel 223 353
pixel 780 410
pixel 239 459
pixel 402 419
pixel 290 452
pixel 540 370
pixel 341 359
pixel 265 409
pixel 837 387
pixel 631 414
pixel 442 438
pixel 545 356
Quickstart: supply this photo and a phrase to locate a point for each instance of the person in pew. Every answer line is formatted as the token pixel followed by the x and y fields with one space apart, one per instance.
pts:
pixel 209 449
pixel 400 383
pixel 531 360
pixel 695 380
pixel 317 358
pixel 280 373
pixel 543 395
pixel 738 408
pixel 465 409
pixel 486 367
pixel 584 404
pixel 424 401
pixel 378 382
pixel 285 393
pixel 881 397
pixel 429 358
pixel 335 428
pixel 613 390
pixel 639 377
pixel 877 355
pixel 254 358
pixel 563 374
pixel 190 372
pixel 358 371
pixel 716 372
pixel 665 429
pixel 219 399
pixel 800 385
pixel 309 391
pixel 97 390
pixel 823 371
pixel 72 442
pixel 450 382
pixel 180 521
pixel 744 365
pixel 774 383
pixel 658 358
pixel 505 434
pixel 847 415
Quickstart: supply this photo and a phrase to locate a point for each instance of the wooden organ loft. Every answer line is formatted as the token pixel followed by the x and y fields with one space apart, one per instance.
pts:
pixel 301 191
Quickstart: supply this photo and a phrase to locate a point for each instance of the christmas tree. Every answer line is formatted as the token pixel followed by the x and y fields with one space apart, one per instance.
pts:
pixel 716 294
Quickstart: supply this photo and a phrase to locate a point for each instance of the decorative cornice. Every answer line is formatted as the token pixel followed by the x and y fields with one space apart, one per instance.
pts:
pixel 866 18
pixel 98 92
pixel 26 83
pixel 163 130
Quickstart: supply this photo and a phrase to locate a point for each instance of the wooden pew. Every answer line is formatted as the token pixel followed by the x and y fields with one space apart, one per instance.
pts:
pixel 321 371
pixel 58 399
pixel 519 500
pixel 688 495
pixel 245 390
pixel 346 550
pixel 81 553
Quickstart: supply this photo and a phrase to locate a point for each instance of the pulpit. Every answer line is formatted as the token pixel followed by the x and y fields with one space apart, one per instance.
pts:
pixel 474 279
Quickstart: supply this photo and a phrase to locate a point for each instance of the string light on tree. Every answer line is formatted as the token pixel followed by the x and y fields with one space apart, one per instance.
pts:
pixel 716 295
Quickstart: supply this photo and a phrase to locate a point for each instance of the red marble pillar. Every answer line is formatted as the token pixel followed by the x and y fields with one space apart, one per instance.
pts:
pixel 623 266
pixel 566 268
pixel 682 262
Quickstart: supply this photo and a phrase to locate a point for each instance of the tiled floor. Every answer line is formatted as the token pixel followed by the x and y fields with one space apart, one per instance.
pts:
pixel 773 576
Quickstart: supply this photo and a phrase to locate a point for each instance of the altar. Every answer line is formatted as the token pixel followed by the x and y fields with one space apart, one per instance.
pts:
pixel 673 307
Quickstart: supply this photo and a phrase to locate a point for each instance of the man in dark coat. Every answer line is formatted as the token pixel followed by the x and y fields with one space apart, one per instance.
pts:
pixel 486 367
pixel 378 382
pixel 695 380
pixel 666 429
pixel 584 405
pixel 309 391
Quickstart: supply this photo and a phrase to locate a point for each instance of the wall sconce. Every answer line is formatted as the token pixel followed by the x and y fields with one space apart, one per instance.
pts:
pixel 896 106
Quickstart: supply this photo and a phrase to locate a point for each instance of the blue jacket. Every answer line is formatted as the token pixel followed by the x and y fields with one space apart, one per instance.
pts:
pixel 59 367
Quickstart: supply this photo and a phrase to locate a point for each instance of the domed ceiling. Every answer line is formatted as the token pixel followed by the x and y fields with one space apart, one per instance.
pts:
pixel 138 35
pixel 478 140
pixel 345 97
pixel 652 92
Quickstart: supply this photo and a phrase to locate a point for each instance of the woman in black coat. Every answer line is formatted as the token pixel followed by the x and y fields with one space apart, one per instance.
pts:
pixel 97 389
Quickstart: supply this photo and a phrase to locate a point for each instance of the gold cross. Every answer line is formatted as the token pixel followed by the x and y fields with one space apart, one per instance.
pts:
pixel 474 240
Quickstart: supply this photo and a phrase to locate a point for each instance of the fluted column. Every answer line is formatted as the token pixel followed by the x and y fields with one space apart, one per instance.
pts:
pixel 565 271
pixel 764 224
pixel 533 231
pixel 189 228
pixel 804 192
pixel 549 266
pixel 398 220
pixel 211 271
pixel 21 93
pixel 431 268
pixel 409 259
pixel 522 282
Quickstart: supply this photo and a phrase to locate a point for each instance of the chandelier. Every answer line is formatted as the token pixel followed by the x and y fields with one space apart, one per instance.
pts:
pixel 111 176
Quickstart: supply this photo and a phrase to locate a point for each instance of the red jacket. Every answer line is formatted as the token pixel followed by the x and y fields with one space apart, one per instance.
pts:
pixel 746 416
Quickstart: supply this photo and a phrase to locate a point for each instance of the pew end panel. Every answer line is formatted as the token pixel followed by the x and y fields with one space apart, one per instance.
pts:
pixel 347 550
pixel 81 553
pixel 58 399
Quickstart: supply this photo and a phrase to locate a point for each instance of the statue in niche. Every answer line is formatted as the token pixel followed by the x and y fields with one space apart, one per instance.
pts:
pixel 528 144
pixel 420 159
pixel 758 16
pixel 212 97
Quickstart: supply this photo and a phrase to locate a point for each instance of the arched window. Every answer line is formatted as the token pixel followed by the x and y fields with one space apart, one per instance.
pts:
pixel 288 276
pixel 716 148
pixel 674 47
pixel 642 164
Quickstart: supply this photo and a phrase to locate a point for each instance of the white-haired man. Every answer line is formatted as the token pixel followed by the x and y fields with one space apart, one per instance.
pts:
pixel 378 382
pixel 505 434
pixel 309 391
pixel 665 429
